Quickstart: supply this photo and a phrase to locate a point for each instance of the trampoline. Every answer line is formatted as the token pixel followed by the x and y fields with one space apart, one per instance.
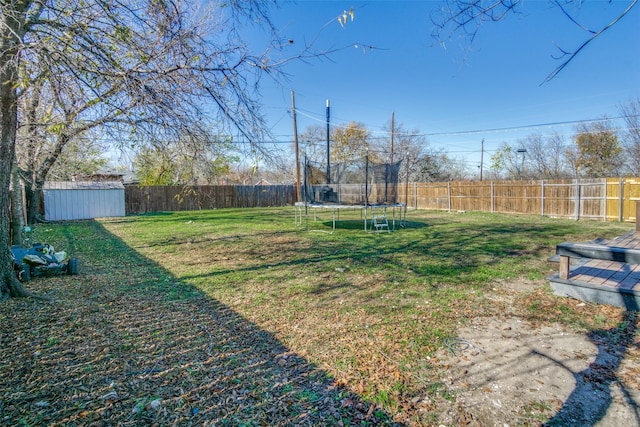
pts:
pixel 363 185
pixel 375 218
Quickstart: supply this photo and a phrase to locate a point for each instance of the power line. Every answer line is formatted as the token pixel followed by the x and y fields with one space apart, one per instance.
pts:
pixel 496 130
pixel 525 127
pixel 453 133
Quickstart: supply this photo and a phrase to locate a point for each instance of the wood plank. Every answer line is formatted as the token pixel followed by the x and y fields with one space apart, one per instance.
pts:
pixel 611 276
pixel 607 269
pixel 600 272
pixel 632 279
pixel 598 251
pixel 617 277
pixel 565 263
pixel 588 271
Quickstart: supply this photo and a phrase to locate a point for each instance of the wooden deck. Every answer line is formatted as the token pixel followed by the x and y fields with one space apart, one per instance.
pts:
pixel 628 241
pixel 602 271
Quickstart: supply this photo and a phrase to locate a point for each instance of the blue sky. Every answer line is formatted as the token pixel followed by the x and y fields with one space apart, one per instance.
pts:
pixel 451 94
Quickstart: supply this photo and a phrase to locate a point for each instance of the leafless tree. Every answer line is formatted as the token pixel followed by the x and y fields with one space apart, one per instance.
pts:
pixel 546 156
pixel 510 162
pixel 408 146
pixel 630 111
pixel 125 67
pixel 313 144
pixel 14 19
pixel 466 17
pixel 135 68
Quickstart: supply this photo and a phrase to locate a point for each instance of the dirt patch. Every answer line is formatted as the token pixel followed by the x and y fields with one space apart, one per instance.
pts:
pixel 507 371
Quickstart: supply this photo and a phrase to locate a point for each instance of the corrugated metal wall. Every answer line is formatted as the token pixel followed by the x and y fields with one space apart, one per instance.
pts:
pixel 82 203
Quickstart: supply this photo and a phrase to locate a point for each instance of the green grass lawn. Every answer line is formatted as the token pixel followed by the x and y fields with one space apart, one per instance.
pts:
pixel 370 309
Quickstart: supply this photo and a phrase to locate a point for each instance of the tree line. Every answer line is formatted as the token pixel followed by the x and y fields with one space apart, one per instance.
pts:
pixel 595 150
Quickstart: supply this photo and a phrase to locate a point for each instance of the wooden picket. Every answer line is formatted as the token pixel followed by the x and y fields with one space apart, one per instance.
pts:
pixel 611 199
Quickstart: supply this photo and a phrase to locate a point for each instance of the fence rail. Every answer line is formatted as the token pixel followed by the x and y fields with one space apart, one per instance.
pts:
pixel 610 199
pixel 184 198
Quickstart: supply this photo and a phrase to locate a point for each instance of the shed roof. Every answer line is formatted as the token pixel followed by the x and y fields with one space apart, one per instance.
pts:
pixel 83 185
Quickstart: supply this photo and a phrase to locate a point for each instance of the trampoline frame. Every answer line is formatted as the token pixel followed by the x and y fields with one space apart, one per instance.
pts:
pixel 368 215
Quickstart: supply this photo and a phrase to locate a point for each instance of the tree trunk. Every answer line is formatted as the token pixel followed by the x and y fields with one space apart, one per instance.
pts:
pixel 34 199
pixel 38 178
pixel 9 284
pixel 17 208
pixel 11 29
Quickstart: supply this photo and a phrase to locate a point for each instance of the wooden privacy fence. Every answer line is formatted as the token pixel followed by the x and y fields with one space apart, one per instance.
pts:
pixel 607 199
pixel 185 198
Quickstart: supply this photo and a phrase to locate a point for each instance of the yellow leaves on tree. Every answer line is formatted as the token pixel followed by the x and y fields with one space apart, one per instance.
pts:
pixel 598 150
pixel 342 19
pixel 349 142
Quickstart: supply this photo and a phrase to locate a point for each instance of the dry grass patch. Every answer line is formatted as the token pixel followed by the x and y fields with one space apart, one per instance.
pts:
pixel 348 312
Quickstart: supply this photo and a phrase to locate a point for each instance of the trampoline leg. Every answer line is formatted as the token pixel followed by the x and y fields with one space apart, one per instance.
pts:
pixel 334 221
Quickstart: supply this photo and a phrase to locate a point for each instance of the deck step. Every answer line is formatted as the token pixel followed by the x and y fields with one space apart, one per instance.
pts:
pixel 601 271
pixel 601 281
pixel 598 294
pixel 599 251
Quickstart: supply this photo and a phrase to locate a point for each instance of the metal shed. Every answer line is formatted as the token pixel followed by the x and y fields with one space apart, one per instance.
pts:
pixel 70 200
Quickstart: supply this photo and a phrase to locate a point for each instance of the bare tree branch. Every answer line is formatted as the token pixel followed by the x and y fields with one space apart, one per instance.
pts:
pixel 468 16
pixel 595 35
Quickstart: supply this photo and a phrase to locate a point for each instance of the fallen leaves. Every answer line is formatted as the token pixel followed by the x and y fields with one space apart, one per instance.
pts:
pixel 255 327
pixel 130 356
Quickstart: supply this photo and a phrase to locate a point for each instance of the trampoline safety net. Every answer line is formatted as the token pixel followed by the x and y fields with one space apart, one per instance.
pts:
pixel 357 183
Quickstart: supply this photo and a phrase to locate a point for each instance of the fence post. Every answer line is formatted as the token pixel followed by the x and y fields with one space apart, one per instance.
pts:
pixel 604 214
pixel 449 194
pixel 621 200
pixel 492 197
pixel 542 197
pixel 576 203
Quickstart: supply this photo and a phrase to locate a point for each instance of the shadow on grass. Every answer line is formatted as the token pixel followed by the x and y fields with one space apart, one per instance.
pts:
pixel 153 336
pixel 592 396
pixel 426 250
pixel 354 224
pixel 127 343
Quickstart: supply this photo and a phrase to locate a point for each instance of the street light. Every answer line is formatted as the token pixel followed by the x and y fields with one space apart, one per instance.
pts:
pixel 522 151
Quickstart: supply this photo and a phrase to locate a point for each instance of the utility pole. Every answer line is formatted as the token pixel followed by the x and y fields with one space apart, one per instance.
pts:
pixel 393 114
pixel 295 143
pixel 328 149
pixel 481 157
